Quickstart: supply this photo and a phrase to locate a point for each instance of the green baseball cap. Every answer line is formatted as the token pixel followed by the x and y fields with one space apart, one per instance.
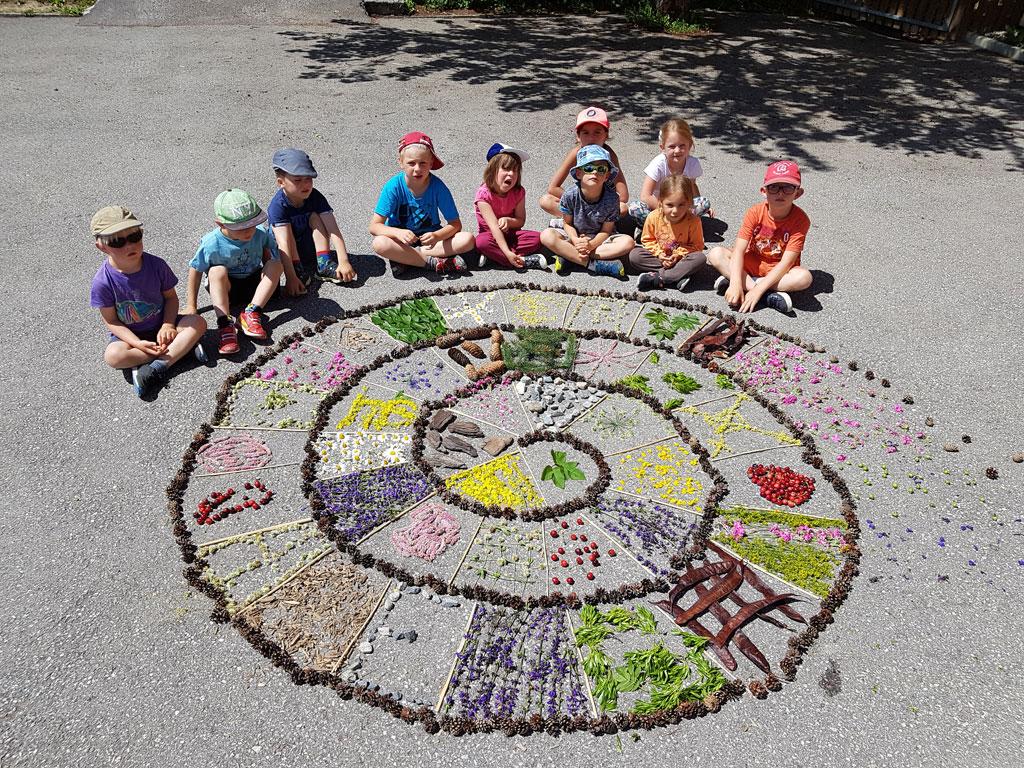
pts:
pixel 236 209
pixel 111 220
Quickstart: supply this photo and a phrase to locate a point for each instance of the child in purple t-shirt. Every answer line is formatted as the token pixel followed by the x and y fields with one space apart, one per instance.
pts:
pixel 134 292
pixel 500 205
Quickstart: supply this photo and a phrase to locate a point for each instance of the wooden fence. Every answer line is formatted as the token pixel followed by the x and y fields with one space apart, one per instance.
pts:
pixel 932 18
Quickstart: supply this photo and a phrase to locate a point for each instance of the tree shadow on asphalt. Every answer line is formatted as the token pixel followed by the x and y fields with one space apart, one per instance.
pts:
pixel 761 86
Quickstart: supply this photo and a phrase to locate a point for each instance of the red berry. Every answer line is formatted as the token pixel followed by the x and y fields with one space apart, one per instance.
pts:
pixel 579 551
pixel 579 561
pixel 554 558
pixel 583 537
pixel 565 524
pixel 554 580
pixel 579 521
pixel 570 580
pixel 573 536
pixel 564 564
pixel 590 575
pixel 554 534
pixel 561 550
pixel 248 486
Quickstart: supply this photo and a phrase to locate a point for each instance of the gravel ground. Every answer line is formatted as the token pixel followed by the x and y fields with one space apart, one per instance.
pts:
pixel 913 157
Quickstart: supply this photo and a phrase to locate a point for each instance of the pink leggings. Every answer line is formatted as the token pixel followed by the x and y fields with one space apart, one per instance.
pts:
pixel 521 241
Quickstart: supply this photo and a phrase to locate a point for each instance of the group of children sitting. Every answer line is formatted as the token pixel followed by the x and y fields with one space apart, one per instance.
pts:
pixel 416 224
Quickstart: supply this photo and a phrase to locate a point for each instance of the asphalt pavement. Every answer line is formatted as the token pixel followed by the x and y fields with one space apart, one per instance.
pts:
pixel 913 157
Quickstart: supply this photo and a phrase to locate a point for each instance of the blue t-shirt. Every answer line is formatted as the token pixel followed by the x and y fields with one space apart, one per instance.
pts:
pixel 280 212
pixel 421 214
pixel 240 258
pixel 137 298
pixel 587 217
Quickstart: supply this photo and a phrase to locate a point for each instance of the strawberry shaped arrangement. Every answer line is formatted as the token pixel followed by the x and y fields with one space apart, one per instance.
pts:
pixel 781 485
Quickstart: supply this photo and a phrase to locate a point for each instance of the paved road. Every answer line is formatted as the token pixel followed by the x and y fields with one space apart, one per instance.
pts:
pixel 914 157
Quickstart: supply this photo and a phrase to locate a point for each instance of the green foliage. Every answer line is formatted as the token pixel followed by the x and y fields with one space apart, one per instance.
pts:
pixel 802 564
pixel 539 349
pixel 411 321
pixel 668 678
pixel 681 383
pixel 655 358
pixel 1014 36
pixel 562 470
pixel 749 516
pixel 638 382
pixel 664 327
pixel 724 382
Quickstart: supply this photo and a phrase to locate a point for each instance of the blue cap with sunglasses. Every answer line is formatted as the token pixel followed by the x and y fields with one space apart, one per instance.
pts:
pixel 591 155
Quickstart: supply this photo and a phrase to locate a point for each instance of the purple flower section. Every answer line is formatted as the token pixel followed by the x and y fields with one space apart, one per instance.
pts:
pixel 516 664
pixel 648 530
pixel 363 500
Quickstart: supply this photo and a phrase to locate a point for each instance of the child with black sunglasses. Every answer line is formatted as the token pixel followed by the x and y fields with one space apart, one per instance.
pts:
pixel 765 261
pixel 134 292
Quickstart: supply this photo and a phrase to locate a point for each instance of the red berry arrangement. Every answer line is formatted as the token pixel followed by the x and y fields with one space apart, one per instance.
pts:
pixel 781 485
pixel 578 552
pixel 210 509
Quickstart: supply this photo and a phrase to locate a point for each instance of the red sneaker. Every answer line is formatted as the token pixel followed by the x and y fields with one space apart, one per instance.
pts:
pixel 252 324
pixel 450 265
pixel 228 343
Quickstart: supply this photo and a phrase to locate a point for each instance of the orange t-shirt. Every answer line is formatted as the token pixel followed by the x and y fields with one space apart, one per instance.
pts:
pixel 658 233
pixel 768 238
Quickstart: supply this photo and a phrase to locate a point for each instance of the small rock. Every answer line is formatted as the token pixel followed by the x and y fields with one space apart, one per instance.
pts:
pixel 355 664
pixel 547 420
pixel 389 605
pixel 966 439
pixel 951 447
pixel 534 407
pixel 445 461
pixel 373 686
pixel 1018 458
pixel 449 602
pixel 441 419
pixel 384 630
pixel 396 596
pixel 348 677
pixel 413 590
pixel 521 387
pixel 409 635
pixel 466 429
pixel 434 440
pixel 547 380
pixel 365 648
pixel 496 445
pixel 929 421
pixel 559 380
pixel 362 684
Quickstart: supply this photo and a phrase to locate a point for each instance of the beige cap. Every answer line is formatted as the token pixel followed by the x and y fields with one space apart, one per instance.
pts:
pixel 113 219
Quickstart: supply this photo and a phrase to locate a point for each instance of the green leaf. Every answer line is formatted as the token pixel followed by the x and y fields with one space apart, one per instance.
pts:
pixel 637 381
pixel 662 333
pixel 558 457
pixel 655 358
pixel 589 615
pixel 656 316
pixel 547 473
pixel 675 402
pixel 558 477
pixel 573 471
pixel 687 321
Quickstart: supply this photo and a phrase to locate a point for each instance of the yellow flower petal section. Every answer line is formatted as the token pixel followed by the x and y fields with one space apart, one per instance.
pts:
pixel 371 413
pixel 500 482
pixel 661 472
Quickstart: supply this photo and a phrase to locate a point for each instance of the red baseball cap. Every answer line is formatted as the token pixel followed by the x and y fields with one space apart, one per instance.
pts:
pixel 418 137
pixel 592 115
pixel 782 172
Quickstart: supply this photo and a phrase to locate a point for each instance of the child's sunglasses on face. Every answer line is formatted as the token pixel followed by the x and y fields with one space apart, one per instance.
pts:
pixel 787 189
pixel 121 242
pixel 595 168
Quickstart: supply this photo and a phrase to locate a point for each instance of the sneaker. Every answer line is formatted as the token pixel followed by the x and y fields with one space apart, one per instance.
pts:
pixel 252 324
pixel 557 223
pixel 449 265
pixel 327 272
pixel 648 281
pixel 613 268
pixel 561 265
pixel 535 261
pixel 779 301
pixel 721 285
pixel 398 268
pixel 227 343
pixel 682 283
pixel 199 352
pixel 147 379
pixel 481 263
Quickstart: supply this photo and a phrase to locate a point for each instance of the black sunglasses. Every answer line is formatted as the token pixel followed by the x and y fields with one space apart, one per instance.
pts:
pixel 121 242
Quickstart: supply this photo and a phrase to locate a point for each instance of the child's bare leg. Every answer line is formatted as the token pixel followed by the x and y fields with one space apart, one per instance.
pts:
pixel 796 279
pixel 554 239
pixel 321 237
pixel 190 330
pixel 549 203
pixel 269 282
pixel 721 259
pixel 121 355
pixel 392 250
pixel 615 247
pixel 460 242
pixel 220 290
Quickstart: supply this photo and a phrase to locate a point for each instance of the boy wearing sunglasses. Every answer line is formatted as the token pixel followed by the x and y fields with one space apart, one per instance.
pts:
pixel 590 209
pixel 134 292
pixel 765 261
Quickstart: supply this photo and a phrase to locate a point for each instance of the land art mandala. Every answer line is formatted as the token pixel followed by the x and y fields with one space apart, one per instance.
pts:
pixel 520 509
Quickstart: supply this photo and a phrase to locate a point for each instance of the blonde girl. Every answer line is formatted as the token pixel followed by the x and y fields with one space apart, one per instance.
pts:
pixel 672 245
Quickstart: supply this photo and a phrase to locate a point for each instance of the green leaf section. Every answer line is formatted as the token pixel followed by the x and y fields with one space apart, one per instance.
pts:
pixel 681 383
pixel 562 470
pixel 411 321
pixel 664 328
pixel 798 563
pixel 539 349
pixel 638 382
pixel 669 679
pixel 724 382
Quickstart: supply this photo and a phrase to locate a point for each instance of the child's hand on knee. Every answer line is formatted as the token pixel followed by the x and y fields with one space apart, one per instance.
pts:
pixel 734 295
